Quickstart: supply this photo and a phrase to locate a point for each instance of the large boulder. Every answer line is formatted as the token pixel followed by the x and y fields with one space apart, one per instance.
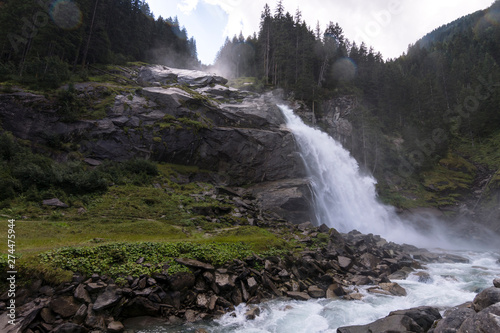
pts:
pixel 412 320
pixel 485 298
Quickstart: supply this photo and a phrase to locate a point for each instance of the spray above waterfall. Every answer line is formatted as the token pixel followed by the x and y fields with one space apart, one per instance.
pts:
pixel 345 199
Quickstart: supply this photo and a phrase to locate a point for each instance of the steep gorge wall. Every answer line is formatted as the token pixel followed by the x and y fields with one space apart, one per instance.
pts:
pixel 182 117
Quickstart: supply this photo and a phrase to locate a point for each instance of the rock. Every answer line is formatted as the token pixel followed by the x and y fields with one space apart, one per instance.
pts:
pixel 424 316
pixel 54 202
pixel 107 299
pixel 65 306
pixel 115 327
pixel 194 263
pixel 70 328
pixel 288 198
pixel 46 290
pixel 423 277
pixel 369 260
pixel 353 297
pixel 301 296
pixel 143 322
pixel 453 320
pixel 93 320
pixel 345 262
pixel 81 294
pixel 486 298
pixel 316 292
pixel 140 306
pixel 415 320
pixel 305 226
pixel 181 281
pixel 496 283
pixel 47 316
pixel 335 290
pixel 25 315
pixel 191 316
pixel 401 274
pixel 202 301
pixel 393 288
pixel 224 281
pixel 487 320
pixel 94 287
pixel 80 314
pixel 252 313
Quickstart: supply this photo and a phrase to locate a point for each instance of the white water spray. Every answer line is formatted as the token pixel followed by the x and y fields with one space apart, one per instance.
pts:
pixel 344 198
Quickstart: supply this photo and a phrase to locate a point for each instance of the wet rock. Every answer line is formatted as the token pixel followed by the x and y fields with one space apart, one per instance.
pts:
pixel 453 320
pixel 301 296
pixel 424 316
pixel 353 297
pixel 486 298
pixel 423 277
pixel 393 288
pixel 496 283
pixel 316 292
pixel 487 320
pixel 252 313
pixel 398 321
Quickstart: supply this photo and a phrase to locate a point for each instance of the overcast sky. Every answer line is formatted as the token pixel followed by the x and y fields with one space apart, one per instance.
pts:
pixel 387 25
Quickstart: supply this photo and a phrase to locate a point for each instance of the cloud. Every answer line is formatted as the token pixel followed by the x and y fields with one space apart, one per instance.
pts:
pixel 187 6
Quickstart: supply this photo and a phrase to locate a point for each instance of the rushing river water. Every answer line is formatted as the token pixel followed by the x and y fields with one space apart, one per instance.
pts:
pixel 449 285
pixel 345 199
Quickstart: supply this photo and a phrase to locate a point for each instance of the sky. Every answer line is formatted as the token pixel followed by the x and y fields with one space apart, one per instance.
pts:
pixel 387 25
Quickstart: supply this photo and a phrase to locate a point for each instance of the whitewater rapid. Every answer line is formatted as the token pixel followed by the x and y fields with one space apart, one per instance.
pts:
pixel 449 285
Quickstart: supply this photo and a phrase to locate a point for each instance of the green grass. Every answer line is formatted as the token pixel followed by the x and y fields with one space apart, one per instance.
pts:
pixel 130 220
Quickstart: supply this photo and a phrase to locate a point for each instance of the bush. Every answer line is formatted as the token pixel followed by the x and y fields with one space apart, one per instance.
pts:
pixel 49 72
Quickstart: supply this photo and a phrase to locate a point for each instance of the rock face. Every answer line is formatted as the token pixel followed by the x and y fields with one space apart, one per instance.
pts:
pixel 182 117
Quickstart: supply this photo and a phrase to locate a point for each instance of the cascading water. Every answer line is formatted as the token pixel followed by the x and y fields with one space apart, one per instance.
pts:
pixel 344 198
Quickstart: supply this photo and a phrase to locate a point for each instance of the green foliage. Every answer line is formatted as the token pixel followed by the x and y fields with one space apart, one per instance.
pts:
pixel 38 176
pixel 120 259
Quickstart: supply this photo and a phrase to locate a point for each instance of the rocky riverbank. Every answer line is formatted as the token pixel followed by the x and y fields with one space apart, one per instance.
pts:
pixel 346 261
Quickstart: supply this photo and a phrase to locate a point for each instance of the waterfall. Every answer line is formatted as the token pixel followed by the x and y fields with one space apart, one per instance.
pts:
pixel 345 198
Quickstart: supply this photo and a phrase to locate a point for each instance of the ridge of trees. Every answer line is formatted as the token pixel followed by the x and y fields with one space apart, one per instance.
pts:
pixel 40 37
pixel 443 86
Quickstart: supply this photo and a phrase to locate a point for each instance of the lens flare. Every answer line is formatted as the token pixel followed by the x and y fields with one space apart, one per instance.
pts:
pixel 66 14
pixel 345 69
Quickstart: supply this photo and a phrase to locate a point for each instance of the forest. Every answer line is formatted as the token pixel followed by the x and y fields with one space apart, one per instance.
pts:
pixel 439 93
pixel 45 42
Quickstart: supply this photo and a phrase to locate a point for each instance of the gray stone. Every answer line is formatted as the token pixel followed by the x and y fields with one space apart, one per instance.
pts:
pixel 65 306
pixel 316 292
pixel 487 320
pixel 453 320
pixel 107 299
pixel 54 202
pixel 194 263
pixel 345 262
pixel 301 296
pixel 81 294
pixel 393 288
pixel 115 327
pixel 486 298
